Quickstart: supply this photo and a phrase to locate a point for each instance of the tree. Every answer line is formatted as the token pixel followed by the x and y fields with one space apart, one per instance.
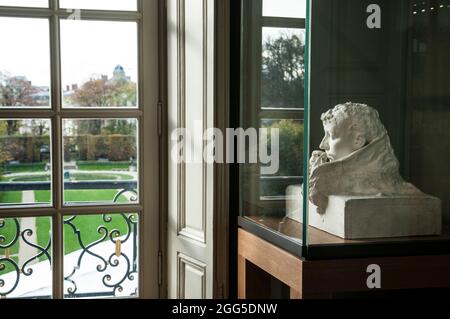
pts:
pixel 39 127
pixel 290 154
pixel 4 154
pixel 102 92
pixel 121 127
pixel 290 147
pixel 283 72
pixel 94 93
pixel 16 91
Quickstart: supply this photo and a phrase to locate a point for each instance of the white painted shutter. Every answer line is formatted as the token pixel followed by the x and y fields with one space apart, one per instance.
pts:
pixel 190 104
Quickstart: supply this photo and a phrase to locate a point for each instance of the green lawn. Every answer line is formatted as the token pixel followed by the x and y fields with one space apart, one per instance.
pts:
pixel 25 168
pixel 89 230
pixel 8 231
pixel 88 226
pixel 10 197
pixel 99 195
pixel 40 178
pixel 101 177
pixel 7 267
pixel 42 196
pixel 96 166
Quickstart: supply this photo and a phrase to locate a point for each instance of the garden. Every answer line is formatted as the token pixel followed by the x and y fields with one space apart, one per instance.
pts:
pixel 99 167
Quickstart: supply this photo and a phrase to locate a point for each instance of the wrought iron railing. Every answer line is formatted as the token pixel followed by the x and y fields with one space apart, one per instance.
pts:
pixel 116 237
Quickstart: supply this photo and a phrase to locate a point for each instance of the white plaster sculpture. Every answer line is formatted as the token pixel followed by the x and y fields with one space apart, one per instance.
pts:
pixel 355 187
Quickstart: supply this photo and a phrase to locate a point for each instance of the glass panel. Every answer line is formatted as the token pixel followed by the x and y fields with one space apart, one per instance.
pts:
pixel 25 3
pixel 99 63
pixel 290 169
pixel 101 256
pixel 284 8
pixel 380 110
pixel 100 161
pixel 125 5
pixel 272 97
pixel 283 69
pixel 25 162
pixel 25 257
pixel 267 197
pixel 25 63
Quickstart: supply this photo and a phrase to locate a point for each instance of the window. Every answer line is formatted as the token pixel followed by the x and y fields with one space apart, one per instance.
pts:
pixel 25 77
pixel 273 96
pixel 72 108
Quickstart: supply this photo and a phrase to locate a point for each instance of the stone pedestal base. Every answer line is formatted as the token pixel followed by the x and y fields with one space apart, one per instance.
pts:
pixel 363 217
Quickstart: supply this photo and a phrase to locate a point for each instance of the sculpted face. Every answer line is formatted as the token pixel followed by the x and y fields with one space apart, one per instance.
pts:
pixel 339 141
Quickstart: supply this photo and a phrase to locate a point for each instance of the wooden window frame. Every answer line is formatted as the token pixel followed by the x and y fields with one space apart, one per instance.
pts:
pixel 149 135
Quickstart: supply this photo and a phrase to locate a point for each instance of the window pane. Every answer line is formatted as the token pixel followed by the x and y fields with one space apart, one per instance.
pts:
pixel 25 63
pixel 284 8
pixel 25 162
pixel 283 69
pixel 99 63
pixel 25 257
pixel 290 157
pixel 100 161
pixel 125 5
pixel 291 144
pixel 25 3
pixel 101 256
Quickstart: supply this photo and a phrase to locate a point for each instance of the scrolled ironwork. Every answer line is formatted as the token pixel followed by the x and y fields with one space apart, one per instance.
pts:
pixel 114 261
pixel 130 263
pixel 4 261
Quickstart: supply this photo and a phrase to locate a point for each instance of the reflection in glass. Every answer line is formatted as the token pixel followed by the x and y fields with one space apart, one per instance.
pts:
pixel 290 158
pixel 25 257
pixel 100 161
pixel 99 64
pixel 101 256
pixel 284 8
pixel 283 68
pixel 25 3
pixel 25 162
pixel 24 63
pixel 125 5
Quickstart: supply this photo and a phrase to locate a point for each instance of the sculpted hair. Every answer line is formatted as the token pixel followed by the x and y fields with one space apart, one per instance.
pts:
pixel 361 118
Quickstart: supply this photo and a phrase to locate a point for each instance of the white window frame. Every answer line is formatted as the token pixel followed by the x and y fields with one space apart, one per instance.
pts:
pixel 149 136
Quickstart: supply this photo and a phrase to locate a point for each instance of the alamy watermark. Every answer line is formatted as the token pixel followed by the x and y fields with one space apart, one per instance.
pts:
pixel 374 19
pixel 75 14
pixel 374 279
pixel 249 146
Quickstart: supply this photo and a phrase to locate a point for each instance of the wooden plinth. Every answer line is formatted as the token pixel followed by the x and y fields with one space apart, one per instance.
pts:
pixel 323 278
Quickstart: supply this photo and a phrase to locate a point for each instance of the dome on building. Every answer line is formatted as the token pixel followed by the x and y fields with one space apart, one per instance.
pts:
pixel 119 70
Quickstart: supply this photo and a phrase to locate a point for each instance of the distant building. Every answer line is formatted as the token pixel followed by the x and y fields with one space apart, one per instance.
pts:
pixel 119 76
pixel 42 94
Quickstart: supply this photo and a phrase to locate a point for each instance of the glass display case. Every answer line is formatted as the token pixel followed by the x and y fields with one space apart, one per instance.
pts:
pixel 350 102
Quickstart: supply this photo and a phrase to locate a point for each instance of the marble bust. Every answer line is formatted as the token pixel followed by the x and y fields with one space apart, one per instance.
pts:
pixel 355 188
pixel 356 158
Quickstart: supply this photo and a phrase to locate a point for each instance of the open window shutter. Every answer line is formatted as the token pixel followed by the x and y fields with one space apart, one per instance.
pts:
pixel 190 105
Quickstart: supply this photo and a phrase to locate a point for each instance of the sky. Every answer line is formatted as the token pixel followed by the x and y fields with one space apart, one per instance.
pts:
pixel 285 8
pixel 85 4
pixel 88 48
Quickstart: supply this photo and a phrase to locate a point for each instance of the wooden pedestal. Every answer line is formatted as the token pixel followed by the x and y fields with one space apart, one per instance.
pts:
pixel 323 278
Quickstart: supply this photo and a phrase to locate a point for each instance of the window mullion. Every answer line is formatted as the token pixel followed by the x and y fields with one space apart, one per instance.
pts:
pixel 277 22
pixel 57 226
